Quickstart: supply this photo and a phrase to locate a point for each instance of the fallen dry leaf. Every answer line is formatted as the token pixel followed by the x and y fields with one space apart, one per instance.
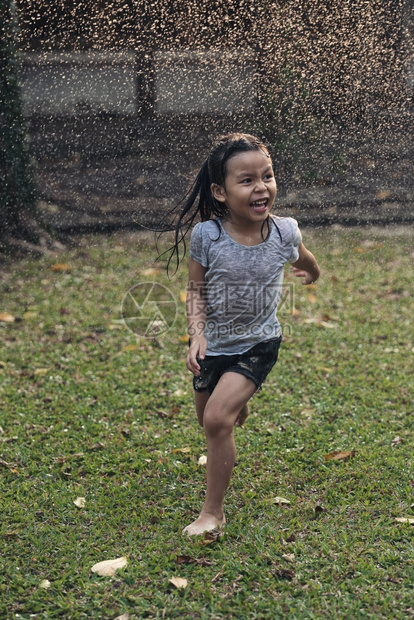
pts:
pixel 130 347
pixel 45 584
pixel 9 466
pixel 183 338
pixel 285 573
pixel 178 582
pixel 339 455
pixel 211 536
pixel 9 439
pixel 5 317
pixel 217 576
pixel 183 296
pixel 329 317
pixel 60 267
pixel 312 298
pixel 202 461
pixel 150 272
pixel 327 325
pixel 108 568
pixel 179 393
pixel 396 441
pixel 41 371
pixel 392 579
pixel 289 557
pixel 280 500
pixel 383 194
pixel 409 520
pixel 122 617
pixel 185 450
pixel 186 559
pixel 308 412
pixel 80 502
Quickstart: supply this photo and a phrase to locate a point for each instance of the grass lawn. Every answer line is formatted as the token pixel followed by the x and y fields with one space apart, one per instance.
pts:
pixel 90 410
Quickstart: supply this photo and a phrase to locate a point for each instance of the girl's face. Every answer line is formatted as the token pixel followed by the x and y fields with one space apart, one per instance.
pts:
pixel 249 188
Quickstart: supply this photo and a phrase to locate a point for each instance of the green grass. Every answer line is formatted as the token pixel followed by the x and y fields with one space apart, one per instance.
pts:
pixel 83 415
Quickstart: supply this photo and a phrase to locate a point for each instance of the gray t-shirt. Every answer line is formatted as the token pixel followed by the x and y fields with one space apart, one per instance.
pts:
pixel 243 283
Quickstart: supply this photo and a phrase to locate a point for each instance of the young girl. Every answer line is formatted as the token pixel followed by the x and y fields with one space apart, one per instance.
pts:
pixel 236 268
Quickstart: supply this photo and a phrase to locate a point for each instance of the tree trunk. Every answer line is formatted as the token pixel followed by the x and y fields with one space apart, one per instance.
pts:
pixel 18 217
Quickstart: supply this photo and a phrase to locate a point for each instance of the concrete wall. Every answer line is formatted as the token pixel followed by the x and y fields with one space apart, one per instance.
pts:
pixel 79 83
pixel 181 82
pixel 204 81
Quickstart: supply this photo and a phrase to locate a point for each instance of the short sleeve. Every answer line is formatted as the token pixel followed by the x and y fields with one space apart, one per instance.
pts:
pixel 197 251
pixel 295 240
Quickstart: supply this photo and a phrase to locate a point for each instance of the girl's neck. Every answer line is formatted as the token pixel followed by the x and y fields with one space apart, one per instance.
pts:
pixel 250 234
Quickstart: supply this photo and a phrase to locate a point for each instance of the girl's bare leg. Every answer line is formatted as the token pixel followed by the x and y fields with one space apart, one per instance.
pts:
pixel 220 413
pixel 242 417
pixel 201 399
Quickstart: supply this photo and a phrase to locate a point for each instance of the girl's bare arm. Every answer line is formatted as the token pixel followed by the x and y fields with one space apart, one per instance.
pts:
pixel 306 266
pixel 196 315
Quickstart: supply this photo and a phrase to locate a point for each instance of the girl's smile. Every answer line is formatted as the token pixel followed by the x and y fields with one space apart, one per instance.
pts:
pixel 249 189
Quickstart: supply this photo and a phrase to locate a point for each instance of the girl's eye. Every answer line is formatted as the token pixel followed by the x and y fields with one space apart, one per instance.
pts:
pixel 246 180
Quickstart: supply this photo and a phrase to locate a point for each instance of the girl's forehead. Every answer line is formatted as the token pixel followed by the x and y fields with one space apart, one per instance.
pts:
pixel 248 160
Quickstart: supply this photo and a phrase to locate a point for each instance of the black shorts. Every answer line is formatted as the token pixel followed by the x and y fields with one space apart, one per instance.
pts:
pixel 255 364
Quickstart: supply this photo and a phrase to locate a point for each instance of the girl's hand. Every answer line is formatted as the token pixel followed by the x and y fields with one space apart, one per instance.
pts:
pixel 306 266
pixel 299 273
pixel 198 349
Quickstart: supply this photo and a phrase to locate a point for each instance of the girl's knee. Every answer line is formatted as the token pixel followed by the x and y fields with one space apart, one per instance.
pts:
pixel 216 423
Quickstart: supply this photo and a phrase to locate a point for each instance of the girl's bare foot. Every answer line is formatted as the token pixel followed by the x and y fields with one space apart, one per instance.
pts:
pixel 205 523
pixel 241 418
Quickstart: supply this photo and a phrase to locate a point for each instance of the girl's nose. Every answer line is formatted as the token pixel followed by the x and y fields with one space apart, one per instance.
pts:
pixel 260 186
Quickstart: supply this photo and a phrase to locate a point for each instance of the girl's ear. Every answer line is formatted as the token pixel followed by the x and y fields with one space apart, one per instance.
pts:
pixel 218 192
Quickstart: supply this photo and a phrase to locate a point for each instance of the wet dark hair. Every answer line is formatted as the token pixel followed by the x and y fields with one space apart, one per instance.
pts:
pixel 214 170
